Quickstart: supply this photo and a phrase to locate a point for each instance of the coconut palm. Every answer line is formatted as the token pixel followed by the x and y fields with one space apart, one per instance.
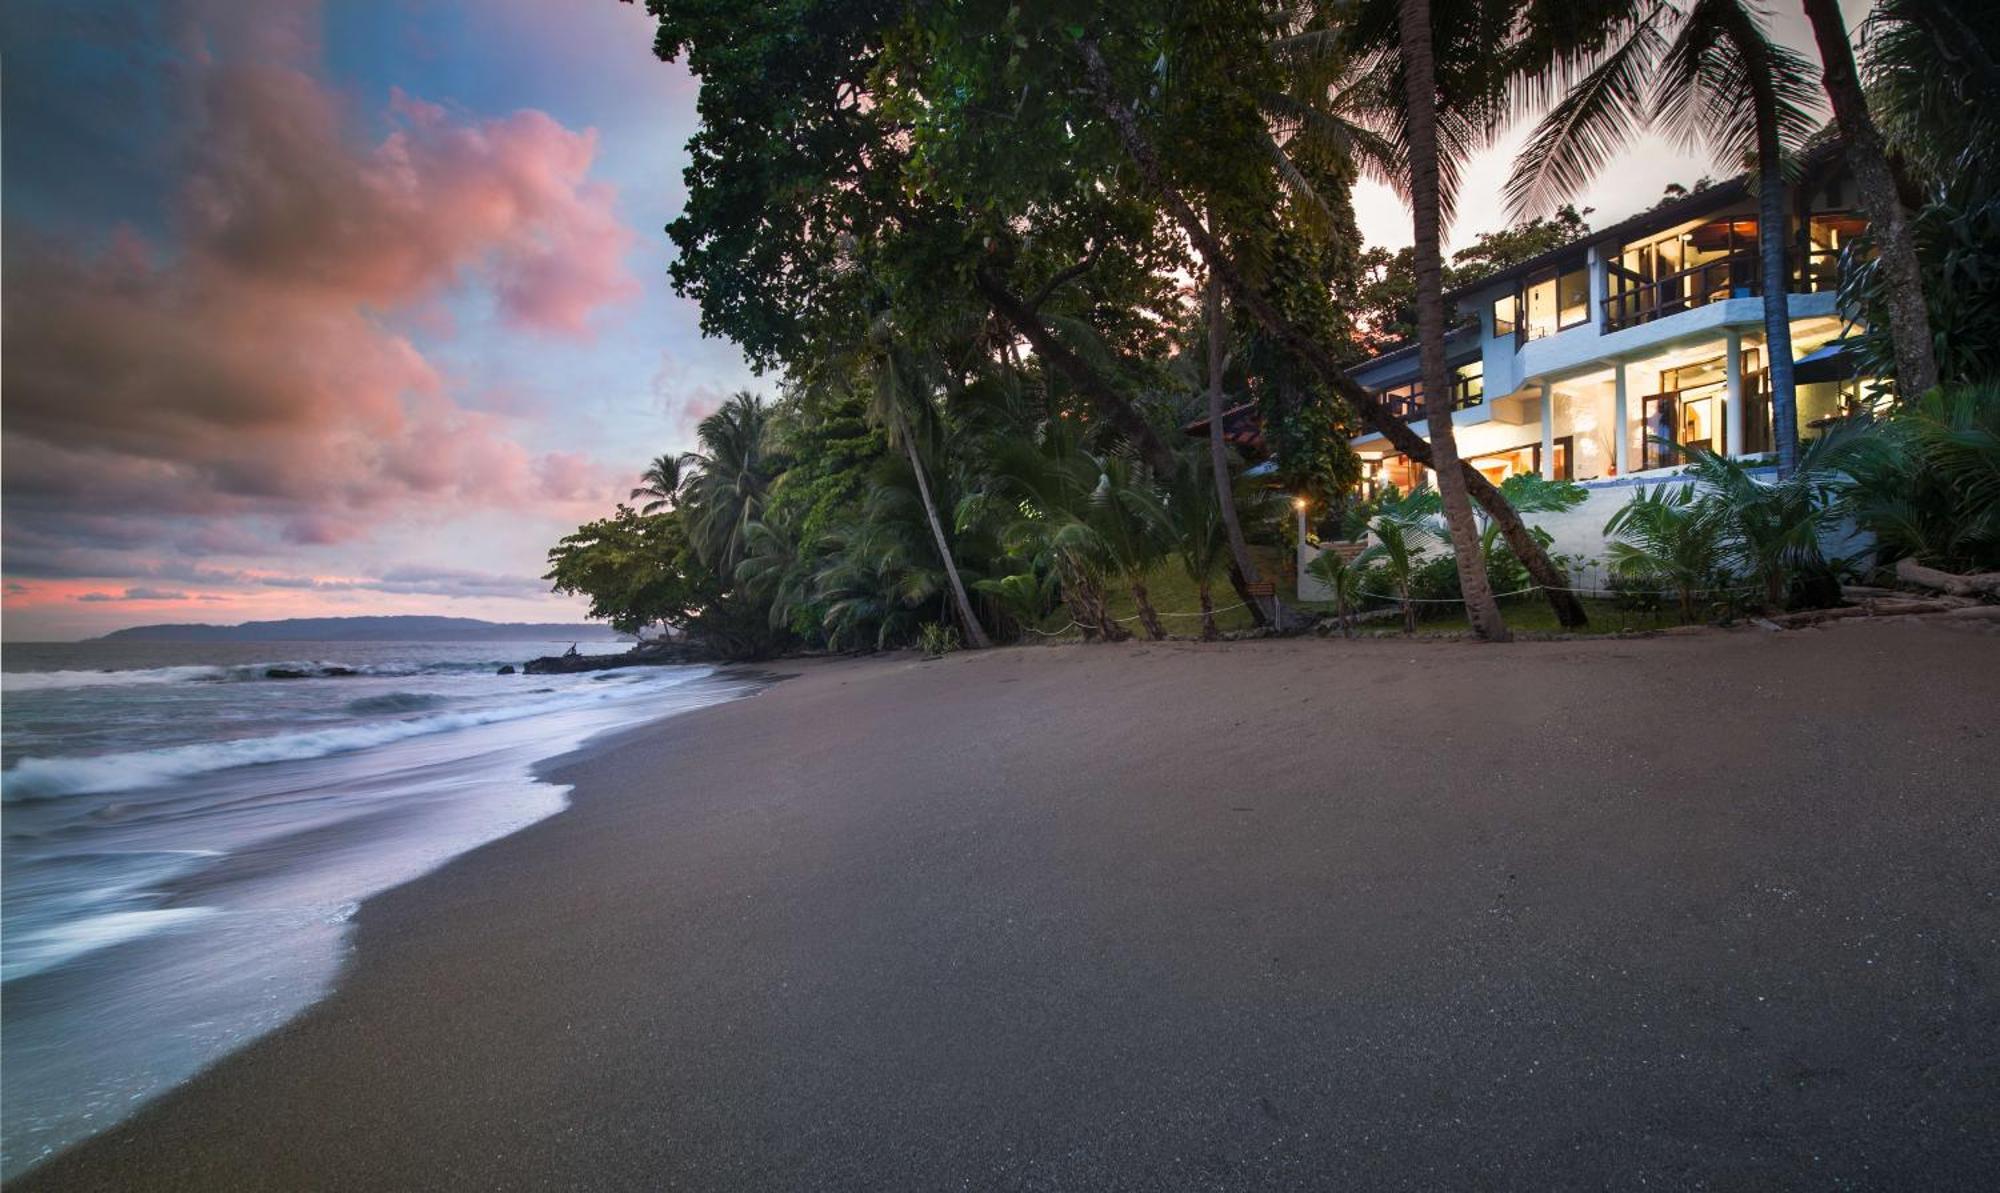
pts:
pixel 1416 143
pixel 1711 75
pixel 661 483
pixel 1135 527
pixel 1403 529
pixel 1200 540
pixel 1666 534
pixel 901 404
pixel 1038 493
pixel 734 471
pixel 1342 577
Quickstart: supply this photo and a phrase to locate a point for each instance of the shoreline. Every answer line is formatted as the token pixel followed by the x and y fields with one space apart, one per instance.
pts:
pixel 1171 914
pixel 262 922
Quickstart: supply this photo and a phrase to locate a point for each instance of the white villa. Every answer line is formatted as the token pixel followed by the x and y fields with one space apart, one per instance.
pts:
pixel 1649 329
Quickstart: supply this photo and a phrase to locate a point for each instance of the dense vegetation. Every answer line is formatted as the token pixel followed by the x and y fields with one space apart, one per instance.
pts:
pixel 999 261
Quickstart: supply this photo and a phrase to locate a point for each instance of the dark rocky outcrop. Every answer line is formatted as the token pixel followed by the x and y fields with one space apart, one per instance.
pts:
pixel 662 654
pixel 508 669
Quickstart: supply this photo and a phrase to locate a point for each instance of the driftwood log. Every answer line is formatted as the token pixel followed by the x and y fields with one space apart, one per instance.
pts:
pixel 1978 584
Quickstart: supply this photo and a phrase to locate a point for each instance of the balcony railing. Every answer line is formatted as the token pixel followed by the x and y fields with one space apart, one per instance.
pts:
pixel 1641 301
pixel 1738 275
pixel 1407 402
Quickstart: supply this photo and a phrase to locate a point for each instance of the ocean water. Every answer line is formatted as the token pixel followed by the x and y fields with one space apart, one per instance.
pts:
pixel 184 836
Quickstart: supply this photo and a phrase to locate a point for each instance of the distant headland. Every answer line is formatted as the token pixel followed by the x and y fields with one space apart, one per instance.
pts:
pixel 366 629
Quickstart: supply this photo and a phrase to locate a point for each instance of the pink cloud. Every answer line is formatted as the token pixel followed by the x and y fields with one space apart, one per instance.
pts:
pixel 249 369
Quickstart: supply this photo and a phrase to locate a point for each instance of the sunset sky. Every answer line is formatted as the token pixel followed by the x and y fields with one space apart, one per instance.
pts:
pixel 357 308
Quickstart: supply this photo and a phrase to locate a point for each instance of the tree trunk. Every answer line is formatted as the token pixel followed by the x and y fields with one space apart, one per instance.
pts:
pixel 1909 317
pixel 1111 405
pixel 1554 584
pixel 1243 570
pixel 1771 244
pixel 1208 631
pixel 1148 617
pixel 1409 609
pixel 1420 91
pixel 974 632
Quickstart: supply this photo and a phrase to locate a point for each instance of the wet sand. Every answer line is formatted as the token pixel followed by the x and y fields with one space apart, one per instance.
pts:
pixel 1709 911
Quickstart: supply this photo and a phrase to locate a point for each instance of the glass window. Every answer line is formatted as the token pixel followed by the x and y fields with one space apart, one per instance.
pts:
pixel 1539 299
pixel 1573 298
pixel 1503 316
pixel 1554 299
pixel 1469 385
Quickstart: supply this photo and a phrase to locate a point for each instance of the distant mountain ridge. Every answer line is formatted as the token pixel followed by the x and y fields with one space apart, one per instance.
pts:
pixel 367 629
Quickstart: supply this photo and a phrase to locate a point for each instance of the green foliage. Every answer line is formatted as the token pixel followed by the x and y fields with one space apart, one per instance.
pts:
pixel 1666 535
pixel 1957 237
pixel 937 640
pixel 1928 485
pixel 637 569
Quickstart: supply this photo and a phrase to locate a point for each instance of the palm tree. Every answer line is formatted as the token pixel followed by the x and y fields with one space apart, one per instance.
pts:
pixel 1342 577
pixel 1218 451
pixel 1665 534
pixel 661 482
pixel 1403 528
pixel 1135 528
pixel 1718 81
pixel 1427 205
pixel 1039 493
pixel 1895 248
pixel 902 402
pixel 733 479
pixel 1774 531
pixel 1927 485
pixel 1199 536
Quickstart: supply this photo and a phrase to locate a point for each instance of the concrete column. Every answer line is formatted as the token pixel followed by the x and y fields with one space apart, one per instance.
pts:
pixel 1732 384
pixel 1621 418
pixel 1600 286
pixel 1548 432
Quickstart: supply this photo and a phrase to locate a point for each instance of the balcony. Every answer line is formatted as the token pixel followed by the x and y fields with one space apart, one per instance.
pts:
pixel 1634 299
pixel 1468 389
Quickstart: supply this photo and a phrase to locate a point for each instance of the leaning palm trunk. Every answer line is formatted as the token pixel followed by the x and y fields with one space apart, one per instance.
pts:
pixel 1148 617
pixel 1526 548
pixel 1420 90
pixel 1771 227
pixel 974 632
pixel 1242 570
pixel 1909 318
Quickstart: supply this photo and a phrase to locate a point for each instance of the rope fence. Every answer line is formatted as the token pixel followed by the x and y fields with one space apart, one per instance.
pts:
pixel 1457 600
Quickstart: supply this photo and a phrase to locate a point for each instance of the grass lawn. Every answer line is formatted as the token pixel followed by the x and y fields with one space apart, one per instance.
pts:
pixel 1535 615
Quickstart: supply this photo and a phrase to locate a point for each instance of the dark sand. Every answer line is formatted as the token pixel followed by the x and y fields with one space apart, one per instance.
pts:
pixel 1718 911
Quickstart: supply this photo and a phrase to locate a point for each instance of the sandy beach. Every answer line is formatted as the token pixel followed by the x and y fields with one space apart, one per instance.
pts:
pixel 1704 911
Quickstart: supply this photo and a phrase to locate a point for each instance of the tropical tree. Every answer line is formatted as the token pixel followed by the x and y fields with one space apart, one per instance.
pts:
pixel 661 483
pixel 902 404
pixel 1895 248
pixel 1342 577
pixel 1711 75
pixel 1667 535
pixel 1039 493
pixel 1214 251
pixel 1135 529
pixel 1774 530
pixel 1427 206
pixel 734 471
pixel 1200 538
pixel 1927 486
pixel 1403 529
